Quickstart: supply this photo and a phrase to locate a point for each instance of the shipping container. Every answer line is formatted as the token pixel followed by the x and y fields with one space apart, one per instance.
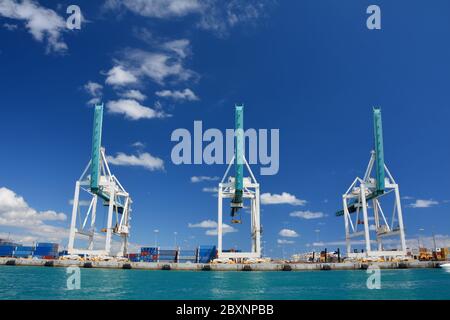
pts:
pixel 22 254
pixel 47 244
pixel 206 253
pixel 149 250
pixel 25 248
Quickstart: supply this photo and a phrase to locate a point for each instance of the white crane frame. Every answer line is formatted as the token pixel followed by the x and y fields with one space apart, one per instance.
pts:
pixel 111 187
pixel 359 190
pixel 251 191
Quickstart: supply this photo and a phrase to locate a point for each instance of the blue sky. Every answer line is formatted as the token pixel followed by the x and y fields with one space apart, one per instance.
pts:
pixel 309 68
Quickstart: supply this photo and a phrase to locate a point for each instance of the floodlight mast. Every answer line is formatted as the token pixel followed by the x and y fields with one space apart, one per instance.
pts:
pixel 238 189
pixel 369 189
pixel 98 182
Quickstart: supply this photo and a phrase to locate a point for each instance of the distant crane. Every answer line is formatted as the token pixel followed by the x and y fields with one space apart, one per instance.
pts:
pixel 239 188
pixel 372 189
pixel 99 184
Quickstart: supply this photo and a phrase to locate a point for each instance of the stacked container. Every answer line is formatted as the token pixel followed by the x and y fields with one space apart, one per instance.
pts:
pixel 46 250
pixel 187 256
pixel 167 255
pixel 206 254
pixel 8 243
pixel 23 252
pixel 149 254
pixel 6 250
pixel 134 257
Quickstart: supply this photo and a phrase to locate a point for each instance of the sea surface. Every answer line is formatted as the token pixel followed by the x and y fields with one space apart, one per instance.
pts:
pixel 17 282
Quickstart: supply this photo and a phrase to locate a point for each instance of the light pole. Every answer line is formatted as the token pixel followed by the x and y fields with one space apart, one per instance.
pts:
pixel 175 238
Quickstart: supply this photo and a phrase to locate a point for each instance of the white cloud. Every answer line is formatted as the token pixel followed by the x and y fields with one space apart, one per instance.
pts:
pixel 196 179
pixel 16 213
pixel 145 160
pixel 186 94
pixel 204 224
pixel 215 15
pixel 93 88
pixel 220 16
pixel 133 110
pixel 10 26
pixel 180 47
pixel 45 25
pixel 27 225
pixel 284 198
pixel 138 144
pixel 284 241
pixel 81 203
pixel 307 215
pixel 424 203
pixel 134 94
pixel 94 101
pixel 43 234
pixel 118 76
pixel 225 229
pixel 212 226
pixel 157 8
pixel 164 62
pixel 288 233
pixel 212 190
pixel 158 66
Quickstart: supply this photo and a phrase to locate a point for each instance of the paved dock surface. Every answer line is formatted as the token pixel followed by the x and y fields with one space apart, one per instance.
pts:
pixel 220 267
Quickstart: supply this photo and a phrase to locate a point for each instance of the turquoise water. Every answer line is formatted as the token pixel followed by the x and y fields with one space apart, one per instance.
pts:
pixel 50 283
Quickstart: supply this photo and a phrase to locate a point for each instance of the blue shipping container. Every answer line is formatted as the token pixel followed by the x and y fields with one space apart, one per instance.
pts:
pixel 46 244
pixel 25 248
pixel 150 250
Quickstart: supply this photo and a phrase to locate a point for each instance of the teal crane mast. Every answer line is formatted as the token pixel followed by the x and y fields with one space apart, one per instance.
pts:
pixel 236 202
pixel 96 159
pixel 96 148
pixel 379 150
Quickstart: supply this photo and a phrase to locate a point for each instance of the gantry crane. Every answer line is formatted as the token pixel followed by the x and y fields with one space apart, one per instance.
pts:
pixel 239 188
pixel 100 185
pixel 371 189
